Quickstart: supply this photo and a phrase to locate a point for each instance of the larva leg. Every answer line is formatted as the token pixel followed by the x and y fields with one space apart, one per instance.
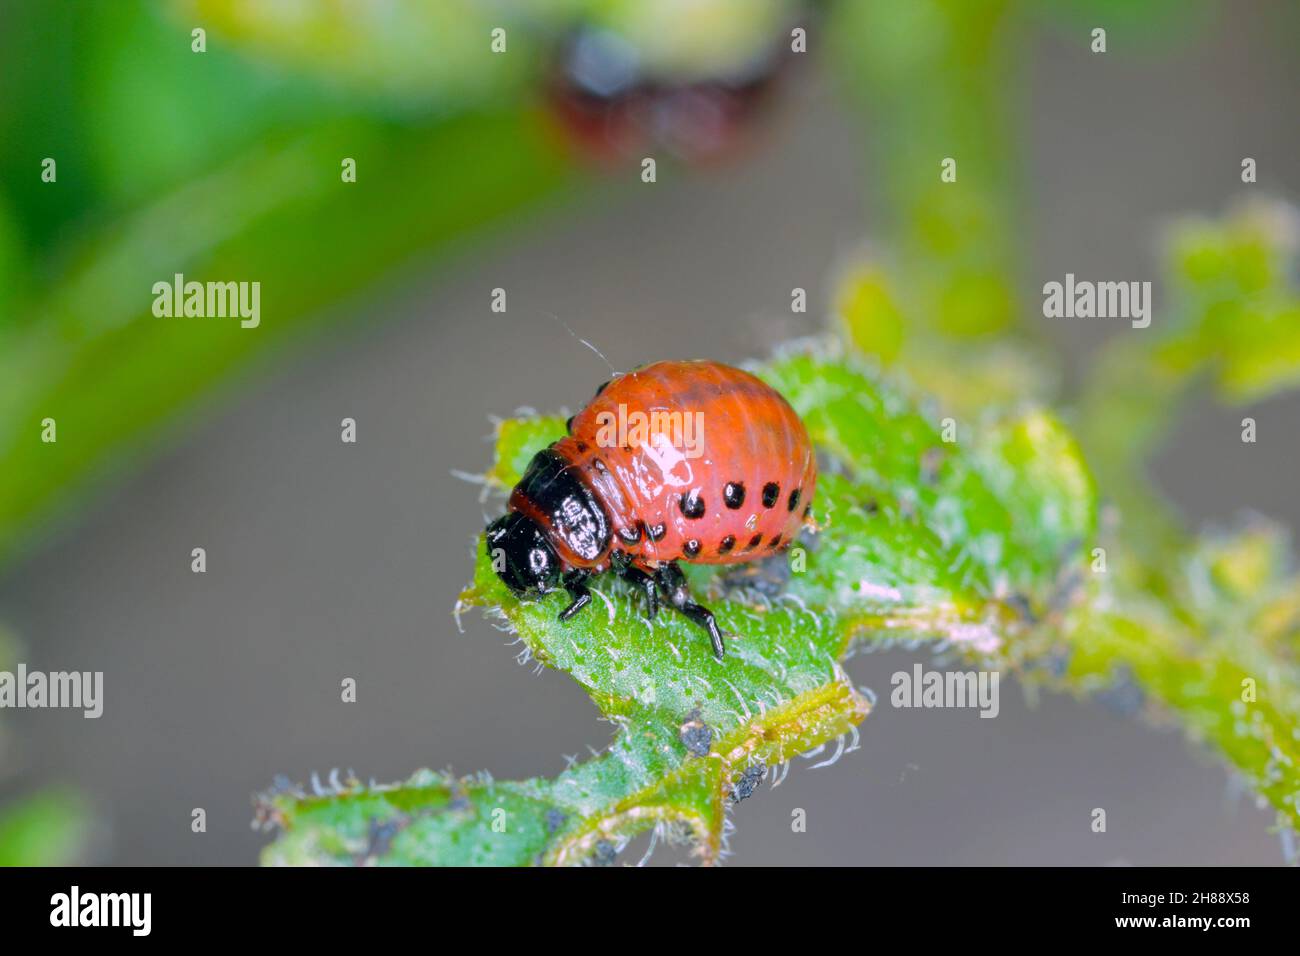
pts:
pixel 624 567
pixel 647 585
pixel 675 588
pixel 575 582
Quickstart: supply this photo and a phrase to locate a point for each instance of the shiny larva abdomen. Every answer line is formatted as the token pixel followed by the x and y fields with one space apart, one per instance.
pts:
pixel 734 488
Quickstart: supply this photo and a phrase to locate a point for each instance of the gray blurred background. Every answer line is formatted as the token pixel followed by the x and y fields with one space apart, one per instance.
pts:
pixel 328 560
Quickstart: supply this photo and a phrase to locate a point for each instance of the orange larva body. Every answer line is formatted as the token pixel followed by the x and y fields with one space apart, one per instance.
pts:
pixel 691 461
pixel 727 476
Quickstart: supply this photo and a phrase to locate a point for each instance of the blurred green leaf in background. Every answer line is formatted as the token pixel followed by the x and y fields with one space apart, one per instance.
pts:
pixel 227 164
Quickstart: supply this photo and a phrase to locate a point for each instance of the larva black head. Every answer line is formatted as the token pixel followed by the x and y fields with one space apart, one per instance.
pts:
pixel 566 507
pixel 565 527
pixel 521 555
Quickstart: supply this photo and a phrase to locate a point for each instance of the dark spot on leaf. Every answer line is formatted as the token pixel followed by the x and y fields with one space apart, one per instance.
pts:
pixel 744 788
pixel 555 819
pixel 605 854
pixel 381 836
pixel 768 576
pixel 931 461
pixel 1057 663
pixel 1068 549
pixel 695 735
pixel 1020 604
pixel 1066 589
pixel 1124 696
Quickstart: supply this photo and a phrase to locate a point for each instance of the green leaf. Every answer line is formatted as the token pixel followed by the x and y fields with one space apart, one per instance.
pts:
pixel 920 538
pixel 1239 313
pixel 1220 653
pixel 1234 319
pixel 1208 627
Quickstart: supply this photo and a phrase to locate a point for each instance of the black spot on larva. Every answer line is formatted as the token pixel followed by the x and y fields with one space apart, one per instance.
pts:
pixel 754 542
pixel 771 491
pixel 775 543
pixel 656 531
pixel 691 548
pixel 631 535
pixel 598 464
pixel 695 735
pixel 727 544
pixel 601 387
pixel 692 504
pixel 794 499
pixel 568 425
pixel 748 782
pixel 734 494
pixel 582 447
